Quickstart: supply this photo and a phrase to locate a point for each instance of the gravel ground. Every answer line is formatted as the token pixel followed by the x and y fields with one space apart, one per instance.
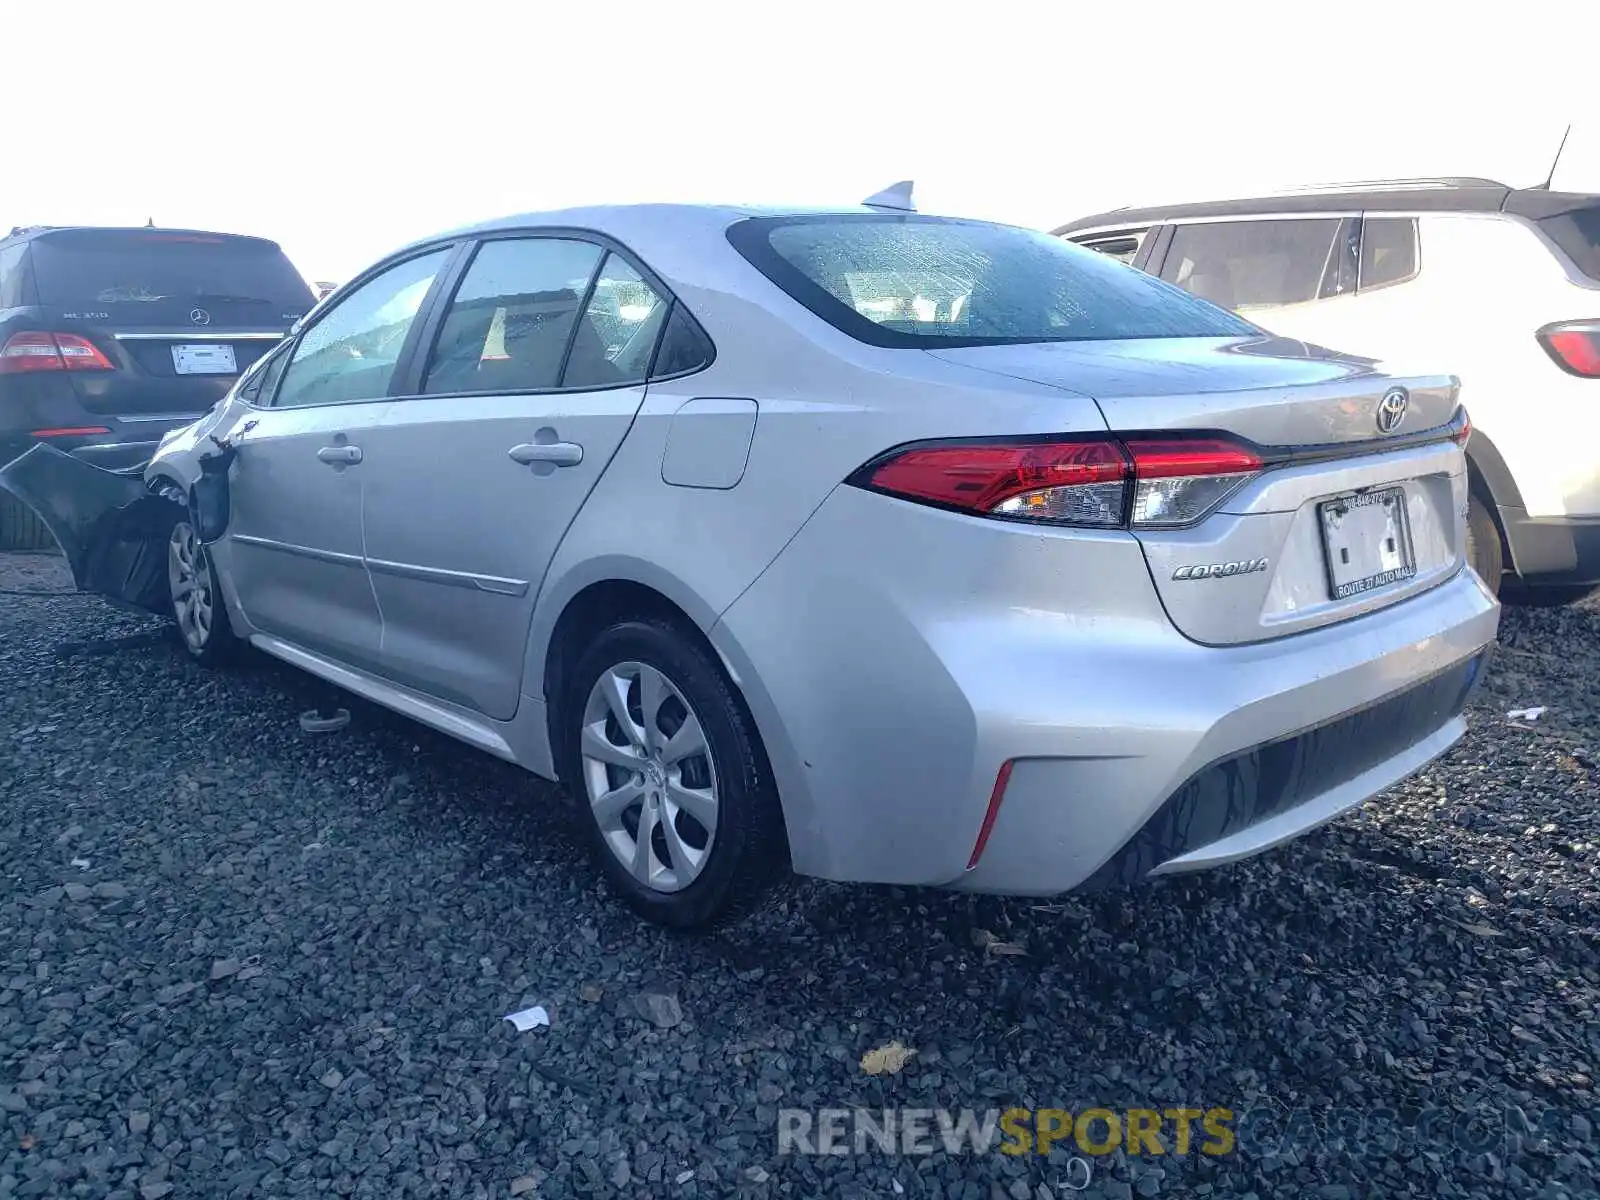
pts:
pixel 237 959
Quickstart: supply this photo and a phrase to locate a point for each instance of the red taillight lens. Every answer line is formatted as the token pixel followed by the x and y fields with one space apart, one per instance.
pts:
pixel 36 351
pixel 1079 483
pixel 1575 347
pixel 80 354
pixel 1463 435
pixel 1180 480
pixel 25 352
pixel 1175 481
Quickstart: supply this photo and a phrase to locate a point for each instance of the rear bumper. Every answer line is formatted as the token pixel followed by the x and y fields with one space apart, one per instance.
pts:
pixel 894 659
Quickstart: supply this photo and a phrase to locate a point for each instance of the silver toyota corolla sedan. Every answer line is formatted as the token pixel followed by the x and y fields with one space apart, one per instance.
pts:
pixel 890 547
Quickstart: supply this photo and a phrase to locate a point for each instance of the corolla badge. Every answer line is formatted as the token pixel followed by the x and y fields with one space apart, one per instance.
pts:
pixel 1392 409
pixel 199 316
pixel 1222 570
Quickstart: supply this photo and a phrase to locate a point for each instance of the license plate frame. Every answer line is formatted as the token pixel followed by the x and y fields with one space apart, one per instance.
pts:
pixel 204 358
pixel 1366 541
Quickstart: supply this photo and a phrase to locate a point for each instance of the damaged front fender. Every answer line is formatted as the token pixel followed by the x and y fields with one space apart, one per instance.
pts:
pixel 112 528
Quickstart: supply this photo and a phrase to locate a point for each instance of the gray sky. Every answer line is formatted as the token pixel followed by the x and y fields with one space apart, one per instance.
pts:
pixel 343 130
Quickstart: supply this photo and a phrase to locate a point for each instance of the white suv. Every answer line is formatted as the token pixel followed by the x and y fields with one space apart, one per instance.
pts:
pixel 1499 285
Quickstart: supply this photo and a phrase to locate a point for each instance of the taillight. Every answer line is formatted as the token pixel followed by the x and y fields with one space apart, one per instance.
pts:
pixel 1179 481
pixel 1463 433
pixel 1075 483
pixel 35 351
pixel 1103 482
pixel 1574 345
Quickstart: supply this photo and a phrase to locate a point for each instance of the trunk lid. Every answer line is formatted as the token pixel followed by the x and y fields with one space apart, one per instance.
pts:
pixel 1350 513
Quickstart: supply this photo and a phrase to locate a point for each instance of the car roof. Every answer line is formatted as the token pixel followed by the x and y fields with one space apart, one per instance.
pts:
pixel 1485 196
pixel 32 232
pixel 627 221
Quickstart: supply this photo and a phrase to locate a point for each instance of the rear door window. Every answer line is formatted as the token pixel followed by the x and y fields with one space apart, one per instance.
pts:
pixel 350 353
pixel 1388 251
pixel 616 339
pixel 512 317
pixel 153 276
pixel 930 282
pixel 1255 264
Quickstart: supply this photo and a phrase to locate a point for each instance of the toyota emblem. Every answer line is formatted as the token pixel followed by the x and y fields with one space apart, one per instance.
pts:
pixel 201 317
pixel 1392 409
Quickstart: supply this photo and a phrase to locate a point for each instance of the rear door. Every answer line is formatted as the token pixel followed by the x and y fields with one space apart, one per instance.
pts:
pixel 536 370
pixel 179 314
pixel 294 537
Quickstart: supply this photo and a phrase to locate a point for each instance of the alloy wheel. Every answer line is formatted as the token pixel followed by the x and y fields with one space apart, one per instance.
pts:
pixel 648 776
pixel 189 576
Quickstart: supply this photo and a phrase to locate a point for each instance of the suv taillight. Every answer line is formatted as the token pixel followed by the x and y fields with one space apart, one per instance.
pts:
pixel 1575 346
pixel 1143 483
pixel 35 351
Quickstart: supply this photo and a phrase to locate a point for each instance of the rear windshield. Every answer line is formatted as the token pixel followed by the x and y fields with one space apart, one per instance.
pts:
pixel 929 282
pixel 93 267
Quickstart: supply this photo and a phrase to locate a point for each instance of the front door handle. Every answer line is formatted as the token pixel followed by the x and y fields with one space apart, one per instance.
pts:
pixel 340 456
pixel 557 454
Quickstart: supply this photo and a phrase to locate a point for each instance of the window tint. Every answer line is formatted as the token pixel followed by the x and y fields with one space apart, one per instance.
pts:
pixel 161 272
pixel 1253 264
pixel 923 281
pixel 617 337
pixel 11 275
pixel 1578 234
pixel 350 354
pixel 1388 251
pixel 684 346
pixel 510 320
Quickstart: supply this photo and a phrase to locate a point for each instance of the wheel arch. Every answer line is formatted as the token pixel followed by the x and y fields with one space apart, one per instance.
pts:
pixel 584 601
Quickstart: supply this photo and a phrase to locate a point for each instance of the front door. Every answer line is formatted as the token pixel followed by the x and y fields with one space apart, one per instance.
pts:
pixel 535 376
pixel 294 534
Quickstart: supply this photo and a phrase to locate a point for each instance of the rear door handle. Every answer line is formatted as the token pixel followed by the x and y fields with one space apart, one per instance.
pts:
pixel 340 456
pixel 557 454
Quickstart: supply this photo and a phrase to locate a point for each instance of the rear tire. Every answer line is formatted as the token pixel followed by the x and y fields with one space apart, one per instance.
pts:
pixel 196 599
pixel 20 528
pixel 1484 552
pixel 654 738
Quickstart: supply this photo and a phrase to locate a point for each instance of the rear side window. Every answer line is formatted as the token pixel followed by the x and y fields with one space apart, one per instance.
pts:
pixel 1254 264
pixel 1388 251
pixel 1578 234
pixel 684 346
pixel 927 282
pixel 127 270
pixel 1124 247
pixel 12 261
pixel 512 317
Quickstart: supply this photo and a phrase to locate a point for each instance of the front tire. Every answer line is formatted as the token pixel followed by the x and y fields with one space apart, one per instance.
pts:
pixel 196 599
pixel 1484 553
pixel 669 776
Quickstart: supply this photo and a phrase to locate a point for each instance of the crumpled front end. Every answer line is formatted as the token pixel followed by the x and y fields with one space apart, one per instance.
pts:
pixel 111 526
